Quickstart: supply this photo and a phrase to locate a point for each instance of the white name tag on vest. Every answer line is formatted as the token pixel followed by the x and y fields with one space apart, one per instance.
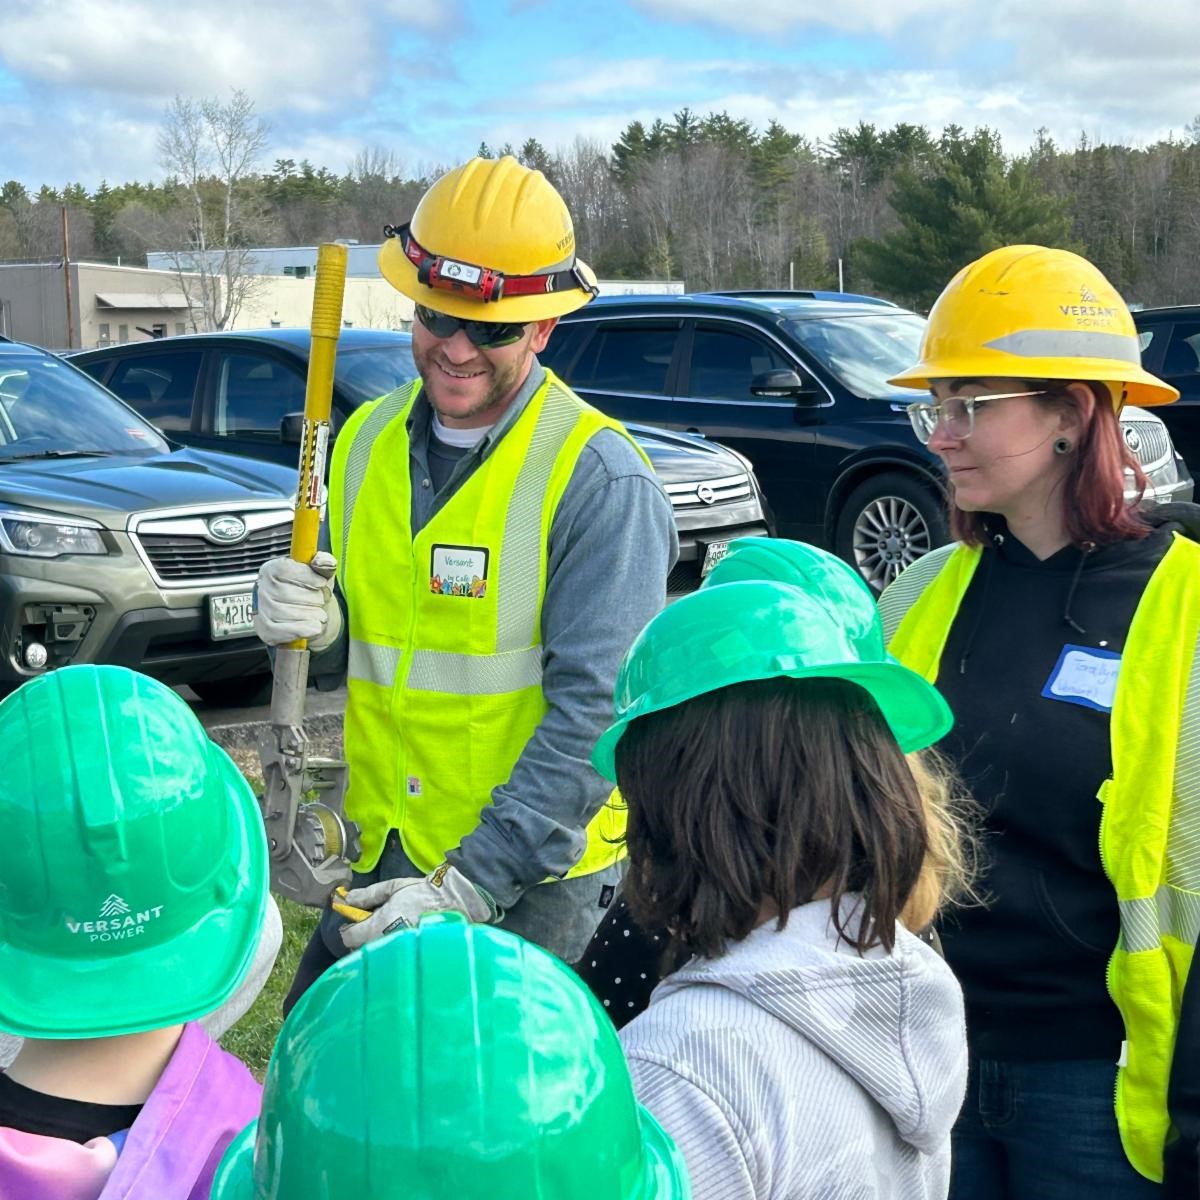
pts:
pixel 459 571
pixel 1086 676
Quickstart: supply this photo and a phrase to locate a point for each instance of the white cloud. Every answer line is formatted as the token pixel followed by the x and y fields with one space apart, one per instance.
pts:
pixel 780 16
pixel 89 80
pixel 586 80
pixel 307 55
pixel 437 17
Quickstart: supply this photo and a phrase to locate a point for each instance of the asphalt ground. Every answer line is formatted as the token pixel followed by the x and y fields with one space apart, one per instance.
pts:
pixel 240 728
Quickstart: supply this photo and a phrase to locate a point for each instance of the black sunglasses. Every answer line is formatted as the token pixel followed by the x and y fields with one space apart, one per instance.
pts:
pixel 487 335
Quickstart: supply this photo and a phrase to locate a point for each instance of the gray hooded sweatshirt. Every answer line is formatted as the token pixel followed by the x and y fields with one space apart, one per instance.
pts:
pixel 792 1068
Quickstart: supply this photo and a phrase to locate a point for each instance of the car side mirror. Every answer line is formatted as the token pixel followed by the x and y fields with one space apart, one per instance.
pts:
pixel 782 383
pixel 291 429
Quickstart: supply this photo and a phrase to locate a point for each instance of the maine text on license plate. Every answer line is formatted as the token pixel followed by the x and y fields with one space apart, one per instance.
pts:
pixel 713 553
pixel 231 616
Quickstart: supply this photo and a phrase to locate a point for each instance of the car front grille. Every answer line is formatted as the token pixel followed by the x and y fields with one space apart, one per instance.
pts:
pixel 704 493
pixel 1152 441
pixel 194 558
pixel 179 554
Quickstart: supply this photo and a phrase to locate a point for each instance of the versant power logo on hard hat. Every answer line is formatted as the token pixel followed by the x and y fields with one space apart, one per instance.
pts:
pixel 1090 311
pixel 115 921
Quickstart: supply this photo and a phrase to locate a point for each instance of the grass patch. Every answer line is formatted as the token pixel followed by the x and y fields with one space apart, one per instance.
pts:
pixel 253 1038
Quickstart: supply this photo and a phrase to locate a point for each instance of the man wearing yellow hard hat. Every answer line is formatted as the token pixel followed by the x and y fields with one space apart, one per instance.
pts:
pixel 498 545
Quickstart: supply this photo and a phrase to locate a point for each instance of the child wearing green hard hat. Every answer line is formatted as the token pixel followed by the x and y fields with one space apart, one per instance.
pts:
pixel 450 1061
pixel 133 893
pixel 779 832
pixel 624 962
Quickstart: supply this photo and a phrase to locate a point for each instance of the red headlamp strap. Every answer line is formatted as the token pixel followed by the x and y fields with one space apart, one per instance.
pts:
pixel 481 283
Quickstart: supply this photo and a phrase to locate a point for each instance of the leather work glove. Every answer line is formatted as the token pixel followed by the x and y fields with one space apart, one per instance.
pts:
pixel 400 902
pixel 296 600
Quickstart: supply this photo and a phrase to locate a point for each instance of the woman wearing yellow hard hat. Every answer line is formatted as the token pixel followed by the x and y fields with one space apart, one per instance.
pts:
pixel 1062 627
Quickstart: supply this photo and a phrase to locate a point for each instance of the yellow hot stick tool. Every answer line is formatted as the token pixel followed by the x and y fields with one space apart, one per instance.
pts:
pixel 312 843
pixel 339 905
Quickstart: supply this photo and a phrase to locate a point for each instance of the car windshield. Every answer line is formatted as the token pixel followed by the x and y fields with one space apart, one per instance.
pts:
pixel 863 352
pixel 369 372
pixel 51 410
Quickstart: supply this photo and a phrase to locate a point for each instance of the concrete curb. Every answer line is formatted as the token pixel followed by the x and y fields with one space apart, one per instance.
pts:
pixel 240 728
pixel 244 735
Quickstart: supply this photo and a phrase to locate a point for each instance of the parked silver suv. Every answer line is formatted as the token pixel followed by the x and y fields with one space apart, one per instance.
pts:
pixel 118 546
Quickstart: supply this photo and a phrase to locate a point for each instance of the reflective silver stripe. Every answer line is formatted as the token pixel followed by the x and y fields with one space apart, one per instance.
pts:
pixel 518 592
pixel 1168 911
pixel 905 590
pixel 1183 837
pixel 1068 343
pixel 1139 924
pixel 373 663
pixel 360 454
pixel 475 674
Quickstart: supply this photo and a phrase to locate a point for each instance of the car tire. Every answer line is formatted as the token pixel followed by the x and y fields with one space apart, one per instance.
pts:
pixel 887 522
pixel 246 691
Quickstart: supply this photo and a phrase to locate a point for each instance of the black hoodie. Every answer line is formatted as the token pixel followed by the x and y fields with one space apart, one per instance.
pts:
pixel 1032 963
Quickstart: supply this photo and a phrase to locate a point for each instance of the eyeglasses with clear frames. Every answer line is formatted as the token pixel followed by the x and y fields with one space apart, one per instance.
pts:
pixel 956 414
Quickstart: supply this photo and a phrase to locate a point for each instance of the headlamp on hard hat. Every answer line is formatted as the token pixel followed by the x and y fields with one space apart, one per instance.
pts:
pixel 480 283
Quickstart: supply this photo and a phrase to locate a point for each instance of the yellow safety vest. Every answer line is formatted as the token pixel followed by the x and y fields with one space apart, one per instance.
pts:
pixel 1150 820
pixel 445 655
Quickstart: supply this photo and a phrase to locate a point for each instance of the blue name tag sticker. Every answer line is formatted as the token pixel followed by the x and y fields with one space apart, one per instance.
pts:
pixel 1086 676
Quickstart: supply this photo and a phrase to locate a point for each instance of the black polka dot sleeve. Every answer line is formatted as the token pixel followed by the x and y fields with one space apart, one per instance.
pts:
pixel 622 965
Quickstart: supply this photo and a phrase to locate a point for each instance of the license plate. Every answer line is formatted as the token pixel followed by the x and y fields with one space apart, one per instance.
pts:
pixel 231 616
pixel 713 553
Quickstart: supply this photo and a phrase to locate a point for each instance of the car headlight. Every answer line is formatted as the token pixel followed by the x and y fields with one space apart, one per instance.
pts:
pixel 38 535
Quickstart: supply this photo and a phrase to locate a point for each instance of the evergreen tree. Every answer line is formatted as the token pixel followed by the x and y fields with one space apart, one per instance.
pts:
pixel 630 151
pixel 535 156
pixel 972 202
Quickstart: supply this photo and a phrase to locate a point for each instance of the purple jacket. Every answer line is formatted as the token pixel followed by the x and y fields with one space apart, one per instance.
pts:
pixel 200 1102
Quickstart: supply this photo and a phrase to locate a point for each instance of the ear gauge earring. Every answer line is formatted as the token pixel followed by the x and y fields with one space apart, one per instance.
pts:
pixel 1062 446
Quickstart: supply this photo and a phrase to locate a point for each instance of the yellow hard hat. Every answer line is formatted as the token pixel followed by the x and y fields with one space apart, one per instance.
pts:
pixel 1030 312
pixel 490 241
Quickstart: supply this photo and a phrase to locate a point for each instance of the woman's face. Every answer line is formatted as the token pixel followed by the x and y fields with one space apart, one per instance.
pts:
pixel 1006 463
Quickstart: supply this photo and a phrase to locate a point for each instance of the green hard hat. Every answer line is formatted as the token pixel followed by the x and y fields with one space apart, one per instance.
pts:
pixel 733 633
pixel 134 884
pixel 822 575
pixel 452 1060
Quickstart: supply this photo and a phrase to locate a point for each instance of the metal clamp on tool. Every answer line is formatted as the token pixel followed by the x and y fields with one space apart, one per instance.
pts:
pixel 312 842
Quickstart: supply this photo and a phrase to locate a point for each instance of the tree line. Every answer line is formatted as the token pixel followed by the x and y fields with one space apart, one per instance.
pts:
pixel 708 199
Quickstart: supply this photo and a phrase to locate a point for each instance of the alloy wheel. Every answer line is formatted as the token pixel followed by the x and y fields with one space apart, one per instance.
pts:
pixel 890 533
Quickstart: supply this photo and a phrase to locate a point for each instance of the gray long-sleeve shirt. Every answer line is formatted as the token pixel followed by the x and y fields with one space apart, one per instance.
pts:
pixel 612 544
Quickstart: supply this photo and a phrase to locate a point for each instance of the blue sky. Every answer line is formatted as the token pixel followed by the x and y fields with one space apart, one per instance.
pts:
pixel 84 83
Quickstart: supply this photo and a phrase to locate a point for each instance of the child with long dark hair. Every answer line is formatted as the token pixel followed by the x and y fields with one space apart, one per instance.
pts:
pixel 810 1045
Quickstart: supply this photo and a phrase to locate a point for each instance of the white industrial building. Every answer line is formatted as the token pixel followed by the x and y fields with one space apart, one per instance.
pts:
pixel 111 305
pixel 114 304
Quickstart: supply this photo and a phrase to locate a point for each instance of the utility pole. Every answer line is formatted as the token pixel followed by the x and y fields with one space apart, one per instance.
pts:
pixel 67 280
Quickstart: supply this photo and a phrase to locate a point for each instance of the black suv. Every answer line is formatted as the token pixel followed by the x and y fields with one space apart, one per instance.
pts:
pixel 243 392
pixel 796 382
pixel 1171 350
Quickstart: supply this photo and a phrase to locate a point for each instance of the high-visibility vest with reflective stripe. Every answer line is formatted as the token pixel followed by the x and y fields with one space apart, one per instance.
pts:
pixel 444 691
pixel 1150 820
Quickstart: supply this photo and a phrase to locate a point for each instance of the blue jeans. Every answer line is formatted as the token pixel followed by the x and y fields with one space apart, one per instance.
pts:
pixel 1042 1131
